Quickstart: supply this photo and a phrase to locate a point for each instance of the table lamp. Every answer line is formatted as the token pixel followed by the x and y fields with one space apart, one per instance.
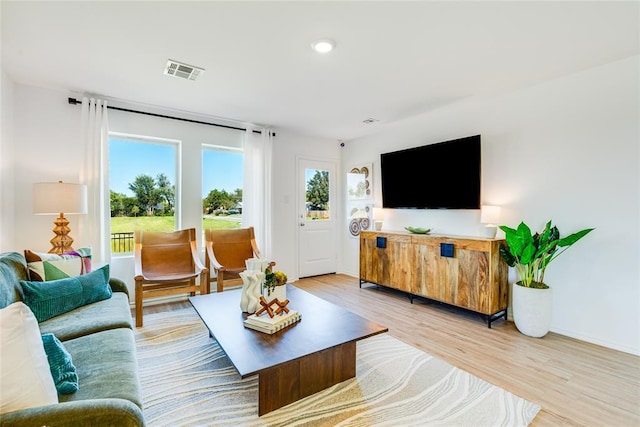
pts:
pixel 53 198
pixel 378 216
pixel 490 215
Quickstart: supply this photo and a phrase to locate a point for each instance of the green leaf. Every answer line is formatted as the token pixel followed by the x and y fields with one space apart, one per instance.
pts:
pixel 528 254
pixel 515 242
pixel 506 229
pixel 507 256
pixel 572 238
pixel 524 233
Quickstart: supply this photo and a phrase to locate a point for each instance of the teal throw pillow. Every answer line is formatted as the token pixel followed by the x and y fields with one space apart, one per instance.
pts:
pixel 55 297
pixel 95 285
pixel 63 372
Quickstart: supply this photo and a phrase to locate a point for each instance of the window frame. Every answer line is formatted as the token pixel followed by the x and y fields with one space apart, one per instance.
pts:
pixel 154 140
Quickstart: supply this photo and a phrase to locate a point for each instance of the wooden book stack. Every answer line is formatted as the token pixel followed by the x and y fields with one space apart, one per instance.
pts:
pixel 270 325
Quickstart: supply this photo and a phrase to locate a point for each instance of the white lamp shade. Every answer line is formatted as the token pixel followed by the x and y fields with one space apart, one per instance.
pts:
pixel 51 198
pixel 378 214
pixel 489 214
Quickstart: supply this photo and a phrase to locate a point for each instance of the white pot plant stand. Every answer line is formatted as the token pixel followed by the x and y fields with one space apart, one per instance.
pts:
pixel 531 254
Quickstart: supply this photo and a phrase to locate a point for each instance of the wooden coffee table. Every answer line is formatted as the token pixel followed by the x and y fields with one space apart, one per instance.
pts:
pixel 300 360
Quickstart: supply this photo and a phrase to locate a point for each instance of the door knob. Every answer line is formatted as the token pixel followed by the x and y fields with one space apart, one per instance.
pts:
pixel 302 224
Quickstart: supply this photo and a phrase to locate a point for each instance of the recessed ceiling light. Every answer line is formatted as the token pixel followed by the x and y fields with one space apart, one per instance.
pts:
pixel 323 46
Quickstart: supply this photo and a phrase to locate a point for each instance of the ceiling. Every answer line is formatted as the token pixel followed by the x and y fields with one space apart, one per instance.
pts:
pixel 393 60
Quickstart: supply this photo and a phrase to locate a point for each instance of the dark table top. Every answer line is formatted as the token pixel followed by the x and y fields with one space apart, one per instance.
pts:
pixel 323 325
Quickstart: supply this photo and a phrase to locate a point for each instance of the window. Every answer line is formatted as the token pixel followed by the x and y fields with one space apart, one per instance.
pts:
pixel 317 194
pixel 222 177
pixel 142 184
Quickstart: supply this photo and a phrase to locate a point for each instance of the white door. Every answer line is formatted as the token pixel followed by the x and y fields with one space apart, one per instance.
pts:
pixel 317 222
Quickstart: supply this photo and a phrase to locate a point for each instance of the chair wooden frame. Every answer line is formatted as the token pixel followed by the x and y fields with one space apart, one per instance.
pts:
pixel 167 264
pixel 241 242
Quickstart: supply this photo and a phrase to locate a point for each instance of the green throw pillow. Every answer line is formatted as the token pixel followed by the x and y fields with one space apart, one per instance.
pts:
pixel 45 266
pixel 63 372
pixel 55 297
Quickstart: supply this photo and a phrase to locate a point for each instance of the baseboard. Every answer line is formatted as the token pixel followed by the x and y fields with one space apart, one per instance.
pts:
pixel 596 341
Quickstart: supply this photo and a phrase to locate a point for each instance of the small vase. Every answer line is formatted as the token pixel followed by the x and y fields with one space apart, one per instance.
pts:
pixel 251 287
pixel 279 292
pixel 256 264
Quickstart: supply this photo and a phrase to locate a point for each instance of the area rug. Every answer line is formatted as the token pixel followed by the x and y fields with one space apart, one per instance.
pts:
pixel 188 381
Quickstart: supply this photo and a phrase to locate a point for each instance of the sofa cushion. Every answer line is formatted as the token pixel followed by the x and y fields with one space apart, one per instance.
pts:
pixel 13 268
pixel 61 366
pixel 45 266
pixel 111 313
pixel 107 366
pixel 55 297
pixel 25 378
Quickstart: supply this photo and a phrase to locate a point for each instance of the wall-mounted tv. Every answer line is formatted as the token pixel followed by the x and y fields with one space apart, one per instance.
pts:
pixel 445 175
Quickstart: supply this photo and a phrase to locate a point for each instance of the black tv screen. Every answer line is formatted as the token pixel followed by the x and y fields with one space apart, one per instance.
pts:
pixel 445 175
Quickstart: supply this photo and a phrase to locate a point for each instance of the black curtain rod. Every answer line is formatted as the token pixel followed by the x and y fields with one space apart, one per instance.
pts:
pixel 74 101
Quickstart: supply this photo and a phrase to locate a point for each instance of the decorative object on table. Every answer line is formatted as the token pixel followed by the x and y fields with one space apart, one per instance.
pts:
pixel 268 307
pixel 60 198
pixel 531 254
pixel 490 216
pixel 257 264
pixel 271 325
pixel 378 217
pixel 418 230
pixel 274 284
pixel 251 290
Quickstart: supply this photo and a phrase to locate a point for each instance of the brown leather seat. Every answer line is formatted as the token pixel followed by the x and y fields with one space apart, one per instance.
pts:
pixel 227 250
pixel 167 264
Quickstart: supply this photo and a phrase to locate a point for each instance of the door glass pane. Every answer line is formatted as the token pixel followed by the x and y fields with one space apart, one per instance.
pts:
pixel 317 195
pixel 222 175
pixel 142 192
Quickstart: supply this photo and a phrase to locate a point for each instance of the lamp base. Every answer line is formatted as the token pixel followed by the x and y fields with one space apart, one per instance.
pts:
pixel 490 231
pixel 62 241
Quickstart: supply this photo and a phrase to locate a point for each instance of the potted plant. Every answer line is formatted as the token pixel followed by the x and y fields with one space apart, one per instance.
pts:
pixel 273 286
pixel 531 254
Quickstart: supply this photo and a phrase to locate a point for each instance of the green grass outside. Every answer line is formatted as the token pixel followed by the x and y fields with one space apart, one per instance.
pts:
pixel 159 223
pixel 123 224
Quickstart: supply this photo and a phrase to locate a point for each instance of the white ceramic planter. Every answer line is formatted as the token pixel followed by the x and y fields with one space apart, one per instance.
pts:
pixel 532 310
pixel 279 292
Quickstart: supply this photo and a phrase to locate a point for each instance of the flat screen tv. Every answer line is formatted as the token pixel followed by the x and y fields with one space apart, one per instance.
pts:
pixel 445 175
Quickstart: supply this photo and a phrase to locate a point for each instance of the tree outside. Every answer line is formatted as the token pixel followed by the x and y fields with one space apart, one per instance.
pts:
pixel 317 195
pixel 153 206
pixel 221 201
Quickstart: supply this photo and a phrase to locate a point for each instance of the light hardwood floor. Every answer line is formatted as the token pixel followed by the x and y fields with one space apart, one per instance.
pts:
pixel 575 382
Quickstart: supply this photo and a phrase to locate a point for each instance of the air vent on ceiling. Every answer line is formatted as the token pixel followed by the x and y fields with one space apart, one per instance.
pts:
pixel 183 71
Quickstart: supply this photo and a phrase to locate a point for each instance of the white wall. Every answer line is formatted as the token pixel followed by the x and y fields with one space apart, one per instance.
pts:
pixel 287 148
pixel 7 233
pixel 48 146
pixel 566 150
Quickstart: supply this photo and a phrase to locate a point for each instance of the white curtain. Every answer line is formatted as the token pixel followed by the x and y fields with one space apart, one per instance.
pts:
pixel 95 226
pixel 257 191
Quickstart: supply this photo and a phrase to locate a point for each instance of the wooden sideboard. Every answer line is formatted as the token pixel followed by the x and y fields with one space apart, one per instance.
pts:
pixel 466 272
